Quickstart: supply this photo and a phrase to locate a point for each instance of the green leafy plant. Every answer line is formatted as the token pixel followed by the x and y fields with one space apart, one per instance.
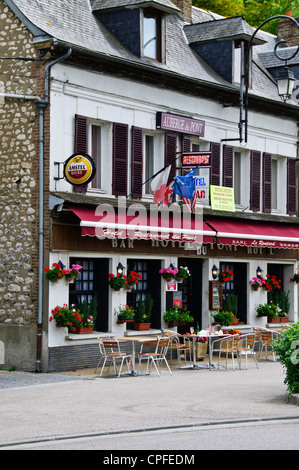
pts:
pixel 66 316
pixel 141 315
pixel 286 347
pixel 224 317
pixel 54 273
pixel 89 312
pixel 132 278
pixel 295 278
pixel 116 282
pixel 280 298
pixel 230 303
pixel 226 275
pixel 268 310
pixel 125 312
pixel 183 273
pixel 172 314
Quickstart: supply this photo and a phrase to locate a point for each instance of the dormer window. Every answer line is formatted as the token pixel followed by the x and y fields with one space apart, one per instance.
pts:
pixel 152 34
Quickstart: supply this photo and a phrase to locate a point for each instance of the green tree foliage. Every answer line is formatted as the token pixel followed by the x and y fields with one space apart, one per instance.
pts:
pixel 255 12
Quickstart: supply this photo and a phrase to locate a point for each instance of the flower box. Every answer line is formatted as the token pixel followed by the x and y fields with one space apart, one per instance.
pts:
pixel 284 319
pixel 273 320
pixel 141 326
pixel 83 330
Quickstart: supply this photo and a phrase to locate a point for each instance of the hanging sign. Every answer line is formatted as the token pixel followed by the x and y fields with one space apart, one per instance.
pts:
pixel 79 169
pixel 196 158
pixel 171 122
pixel 171 285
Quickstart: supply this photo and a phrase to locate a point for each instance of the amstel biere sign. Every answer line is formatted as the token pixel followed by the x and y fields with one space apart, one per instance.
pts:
pixel 79 169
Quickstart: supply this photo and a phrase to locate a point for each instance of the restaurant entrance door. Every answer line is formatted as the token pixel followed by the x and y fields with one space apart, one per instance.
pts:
pixel 192 288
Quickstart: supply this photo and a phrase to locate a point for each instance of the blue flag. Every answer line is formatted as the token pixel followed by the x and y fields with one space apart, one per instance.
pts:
pixel 184 185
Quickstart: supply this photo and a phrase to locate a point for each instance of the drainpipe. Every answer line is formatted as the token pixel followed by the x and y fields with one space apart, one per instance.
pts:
pixel 41 105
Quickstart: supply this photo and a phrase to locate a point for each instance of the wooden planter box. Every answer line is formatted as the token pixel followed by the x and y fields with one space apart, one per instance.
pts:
pixel 141 326
pixel 83 330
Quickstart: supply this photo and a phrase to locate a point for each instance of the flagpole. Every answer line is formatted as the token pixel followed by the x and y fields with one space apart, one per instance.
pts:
pixel 168 164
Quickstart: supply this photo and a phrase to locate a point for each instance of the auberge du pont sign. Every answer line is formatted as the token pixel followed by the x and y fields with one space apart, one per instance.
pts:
pixel 171 122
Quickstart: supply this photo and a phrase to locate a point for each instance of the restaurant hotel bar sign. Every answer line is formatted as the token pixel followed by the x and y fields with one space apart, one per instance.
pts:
pixel 79 169
pixel 171 122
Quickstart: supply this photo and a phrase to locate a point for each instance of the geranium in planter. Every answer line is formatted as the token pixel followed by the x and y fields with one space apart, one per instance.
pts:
pixel 116 282
pixel 272 283
pixel 257 282
pixel 67 317
pixel 270 310
pixel 132 279
pixel 225 275
pixel 72 273
pixel 295 278
pixel 125 314
pixel 55 272
pixel 183 273
pixel 168 273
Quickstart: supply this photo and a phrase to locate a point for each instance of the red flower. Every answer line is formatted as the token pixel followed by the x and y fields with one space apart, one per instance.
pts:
pixel 111 276
pixel 47 269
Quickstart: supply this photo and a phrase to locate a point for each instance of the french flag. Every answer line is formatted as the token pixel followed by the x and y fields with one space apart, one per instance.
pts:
pixel 159 185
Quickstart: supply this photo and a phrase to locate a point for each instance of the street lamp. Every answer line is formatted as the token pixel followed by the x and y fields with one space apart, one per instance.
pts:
pixel 285 81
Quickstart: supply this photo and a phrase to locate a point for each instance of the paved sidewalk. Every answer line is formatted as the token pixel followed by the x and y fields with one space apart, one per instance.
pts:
pixel 43 405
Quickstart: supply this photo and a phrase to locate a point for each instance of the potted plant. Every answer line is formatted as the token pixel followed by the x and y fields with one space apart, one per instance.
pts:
pixel 225 275
pixel 295 278
pixel 67 316
pixel 183 273
pixel 88 314
pixel 224 317
pixel 201 346
pixel 270 310
pixel 281 298
pixel 257 282
pixel 55 273
pixel 125 314
pixel 142 316
pixel 116 282
pixel 132 279
pixel 272 283
pixel 72 273
pixel 176 316
pixel 168 273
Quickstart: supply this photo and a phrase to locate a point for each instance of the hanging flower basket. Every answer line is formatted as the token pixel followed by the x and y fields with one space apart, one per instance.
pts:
pixel 225 275
pixel 168 273
pixel 295 278
pixel 272 283
pixel 182 274
pixel 131 280
pixel 256 283
pixel 116 282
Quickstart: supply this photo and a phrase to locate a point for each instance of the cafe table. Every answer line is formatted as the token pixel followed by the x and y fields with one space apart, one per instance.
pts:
pixel 135 340
pixel 211 337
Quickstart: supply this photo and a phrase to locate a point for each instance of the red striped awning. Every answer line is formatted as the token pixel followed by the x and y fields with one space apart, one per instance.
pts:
pixel 106 221
pixel 253 233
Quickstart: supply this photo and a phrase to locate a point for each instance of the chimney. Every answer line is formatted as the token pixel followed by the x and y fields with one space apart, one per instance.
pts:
pixel 288 31
pixel 186 9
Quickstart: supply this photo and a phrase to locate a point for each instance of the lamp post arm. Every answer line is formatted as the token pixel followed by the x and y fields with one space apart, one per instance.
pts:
pixel 247 63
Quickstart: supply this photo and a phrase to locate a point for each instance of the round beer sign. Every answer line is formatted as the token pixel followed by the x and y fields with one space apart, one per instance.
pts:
pixel 79 169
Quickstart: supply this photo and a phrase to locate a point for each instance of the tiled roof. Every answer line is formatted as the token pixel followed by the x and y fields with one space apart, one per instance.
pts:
pixel 166 5
pixel 221 29
pixel 72 22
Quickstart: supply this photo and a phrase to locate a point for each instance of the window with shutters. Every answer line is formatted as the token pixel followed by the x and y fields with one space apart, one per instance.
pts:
pixel 228 164
pixel 215 164
pixel 274 187
pixel 136 162
pixel 237 177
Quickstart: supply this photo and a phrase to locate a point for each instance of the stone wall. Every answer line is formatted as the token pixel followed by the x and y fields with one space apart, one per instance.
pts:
pixel 18 195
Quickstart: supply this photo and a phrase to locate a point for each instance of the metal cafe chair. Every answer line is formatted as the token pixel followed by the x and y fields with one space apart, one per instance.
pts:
pixel 176 345
pixel 111 352
pixel 154 352
pixel 266 342
pixel 247 348
pixel 225 346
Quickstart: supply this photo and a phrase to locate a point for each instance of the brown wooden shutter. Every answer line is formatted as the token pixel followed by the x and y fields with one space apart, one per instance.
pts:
pixel 81 134
pixel 186 144
pixel 81 142
pixel 170 154
pixel 291 186
pixel 215 164
pixel 267 182
pixel 228 165
pixel 120 159
pixel 255 180
pixel 136 162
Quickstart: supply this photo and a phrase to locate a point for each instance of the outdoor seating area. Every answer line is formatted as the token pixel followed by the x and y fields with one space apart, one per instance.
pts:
pixel 165 352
